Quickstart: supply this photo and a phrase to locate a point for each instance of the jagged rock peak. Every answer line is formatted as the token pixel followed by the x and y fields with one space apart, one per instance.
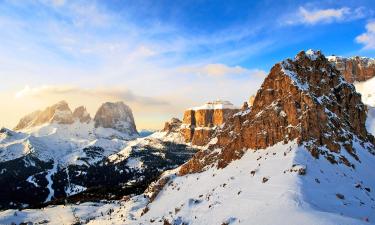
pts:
pixel 117 116
pixel 304 99
pixel 58 113
pixel 354 69
pixel 172 125
pixel 81 114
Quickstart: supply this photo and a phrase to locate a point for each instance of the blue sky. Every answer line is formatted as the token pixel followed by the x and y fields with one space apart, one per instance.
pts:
pixel 162 56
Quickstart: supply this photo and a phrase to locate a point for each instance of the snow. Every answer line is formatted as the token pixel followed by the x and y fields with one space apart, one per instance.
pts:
pixel 313 55
pixel 233 193
pixel 367 90
pixel 370 122
pixel 30 179
pixel 63 143
pixel 50 182
pixel 74 189
pixel 263 187
pixel 135 163
pixel 218 104
pixel 293 76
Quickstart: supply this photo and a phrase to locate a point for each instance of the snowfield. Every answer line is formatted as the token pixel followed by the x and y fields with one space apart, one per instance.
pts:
pixel 282 184
pixel 367 90
pixel 63 143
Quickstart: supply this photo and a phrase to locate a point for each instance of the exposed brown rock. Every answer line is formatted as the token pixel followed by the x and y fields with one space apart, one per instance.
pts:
pixel 81 114
pixel 117 116
pixel 172 126
pixel 305 99
pixel 354 68
pixel 200 124
pixel 59 113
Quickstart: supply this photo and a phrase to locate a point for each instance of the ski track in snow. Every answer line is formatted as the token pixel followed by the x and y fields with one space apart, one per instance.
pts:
pixel 51 172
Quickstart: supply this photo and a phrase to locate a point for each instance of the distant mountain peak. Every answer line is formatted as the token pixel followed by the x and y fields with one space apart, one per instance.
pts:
pixel 59 113
pixel 116 115
pixel 81 114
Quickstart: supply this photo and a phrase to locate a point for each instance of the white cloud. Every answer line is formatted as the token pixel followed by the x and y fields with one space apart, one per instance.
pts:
pixel 323 15
pixel 218 69
pixel 368 38
pixel 328 15
pixel 103 93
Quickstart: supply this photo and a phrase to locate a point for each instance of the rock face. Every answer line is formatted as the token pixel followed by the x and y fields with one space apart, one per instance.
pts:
pixel 59 113
pixel 200 123
pixel 117 116
pixel 81 114
pixel 305 99
pixel 173 125
pixel 354 68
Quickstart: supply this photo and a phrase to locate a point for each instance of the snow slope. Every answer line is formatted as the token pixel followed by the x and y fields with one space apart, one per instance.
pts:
pixel 63 143
pixel 263 187
pixel 367 90
pixel 370 122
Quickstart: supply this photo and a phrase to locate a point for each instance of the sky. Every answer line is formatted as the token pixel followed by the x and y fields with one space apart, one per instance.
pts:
pixel 161 57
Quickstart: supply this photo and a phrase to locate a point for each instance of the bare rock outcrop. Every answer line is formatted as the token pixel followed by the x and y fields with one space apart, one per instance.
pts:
pixel 200 123
pixel 354 68
pixel 117 116
pixel 81 114
pixel 304 99
pixel 59 113
pixel 173 125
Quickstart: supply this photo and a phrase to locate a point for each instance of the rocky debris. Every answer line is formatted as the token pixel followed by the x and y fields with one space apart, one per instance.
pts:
pixel 354 68
pixel 304 99
pixel 117 116
pixel 299 169
pixel 59 113
pixel 340 196
pixel 200 123
pixel 173 125
pixel 81 114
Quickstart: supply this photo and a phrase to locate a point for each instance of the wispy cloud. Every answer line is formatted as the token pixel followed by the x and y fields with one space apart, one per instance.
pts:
pixel 102 93
pixel 217 69
pixel 312 16
pixel 368 38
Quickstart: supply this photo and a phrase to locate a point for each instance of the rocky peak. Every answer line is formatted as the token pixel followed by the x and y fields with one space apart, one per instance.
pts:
pixel 117 116
pixel 200 123
pixel 81 114
pixel 354 68
pixel 173 125
pixel 58 113
pixel 304 99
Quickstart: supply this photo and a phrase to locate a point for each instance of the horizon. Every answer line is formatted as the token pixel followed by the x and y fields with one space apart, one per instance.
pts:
pixel 161 58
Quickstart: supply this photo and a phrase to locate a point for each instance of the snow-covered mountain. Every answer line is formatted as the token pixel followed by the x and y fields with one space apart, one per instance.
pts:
pixel 303 153
pixel 57 153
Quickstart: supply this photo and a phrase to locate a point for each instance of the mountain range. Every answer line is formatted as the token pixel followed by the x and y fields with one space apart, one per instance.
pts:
pixel 301 151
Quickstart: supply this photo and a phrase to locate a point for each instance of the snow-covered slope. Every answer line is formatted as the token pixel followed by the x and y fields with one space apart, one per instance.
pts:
pixel 282 184
pixel 63 143
pixel 367 90
pixel 265 187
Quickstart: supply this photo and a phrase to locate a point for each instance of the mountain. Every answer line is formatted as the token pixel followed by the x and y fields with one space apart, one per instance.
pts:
pixel 59 113
pixel 117 116
pixel 302 153
pixel 354 69
pixel 62 156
